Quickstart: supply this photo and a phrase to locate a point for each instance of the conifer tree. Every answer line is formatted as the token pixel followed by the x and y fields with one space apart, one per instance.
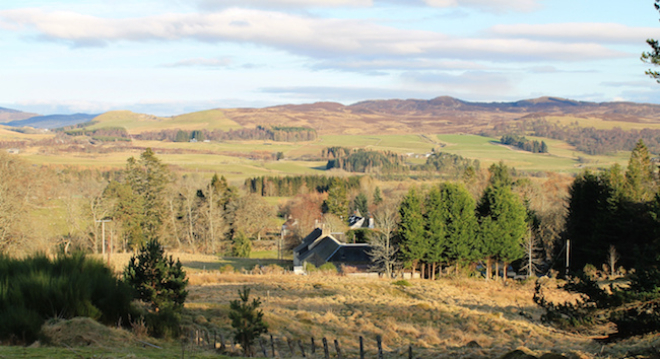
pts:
pixel 436 218
pixel 639 174
pixel 247 320
pixel 414 244
pixel 461 224
pixel 337 202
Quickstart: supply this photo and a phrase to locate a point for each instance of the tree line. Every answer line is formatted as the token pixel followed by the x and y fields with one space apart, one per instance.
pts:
pixel 261 133
pixel 366 161
pixel 525 144
pixel 287 186
pixel 585 139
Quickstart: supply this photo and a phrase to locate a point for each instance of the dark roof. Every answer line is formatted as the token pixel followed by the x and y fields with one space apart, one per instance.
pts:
pixel 307 241
pixel 353 253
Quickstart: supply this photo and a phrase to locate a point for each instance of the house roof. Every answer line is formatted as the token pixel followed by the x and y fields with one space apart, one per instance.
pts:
pixel 308 241
pixel 353 253
pixel 325 248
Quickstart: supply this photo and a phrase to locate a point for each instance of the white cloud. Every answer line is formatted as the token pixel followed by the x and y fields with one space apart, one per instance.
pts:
pixel 270 4
pixel 397 64
pixel 578 32
pixel 301 35
pixel 202 62
pixel 474 82
pixel 496 6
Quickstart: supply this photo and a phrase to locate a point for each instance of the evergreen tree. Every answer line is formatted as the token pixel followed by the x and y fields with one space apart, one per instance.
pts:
pixel 247 320
pixel 436 217
pixel 157 280
pixel 377 196
pixel 503 225
pixel 241 245
pixel 337 202
pixel 360 204
pixel 461 224
pixel 639 174
pixel 414 243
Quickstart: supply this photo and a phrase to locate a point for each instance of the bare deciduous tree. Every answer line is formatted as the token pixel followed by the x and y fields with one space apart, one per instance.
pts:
pixel 383 253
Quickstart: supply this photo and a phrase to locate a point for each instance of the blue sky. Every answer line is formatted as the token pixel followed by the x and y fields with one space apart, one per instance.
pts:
pixel 174 56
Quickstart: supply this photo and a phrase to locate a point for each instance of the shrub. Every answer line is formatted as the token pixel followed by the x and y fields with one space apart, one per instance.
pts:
pixel 328 268
pixel 155 279
pixel 247 320
pixel 310 268
pixel 227 268
pixel 241 245
pixel 161 284
pixel 402 283
pixel 36 288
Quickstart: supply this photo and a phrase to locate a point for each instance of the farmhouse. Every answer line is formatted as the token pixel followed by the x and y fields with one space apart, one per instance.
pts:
pixel 320 247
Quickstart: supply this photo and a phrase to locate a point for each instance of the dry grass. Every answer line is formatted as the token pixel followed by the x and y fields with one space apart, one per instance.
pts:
pixel 437 318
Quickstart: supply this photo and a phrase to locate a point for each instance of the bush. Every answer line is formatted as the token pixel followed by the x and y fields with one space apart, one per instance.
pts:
pixel 328 268
pixel 160 283
pixel 402 283
pixel 227 268
pixel 36 288
pixel 241 245
pixel 247 320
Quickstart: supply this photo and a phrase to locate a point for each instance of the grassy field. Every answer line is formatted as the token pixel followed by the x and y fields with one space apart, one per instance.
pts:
pixel 137 122
pixel 238 160
pixel 446 318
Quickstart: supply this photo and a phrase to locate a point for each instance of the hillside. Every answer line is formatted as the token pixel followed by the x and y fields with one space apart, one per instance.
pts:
pixel 52 121
pixel 7 115
pixel 440 115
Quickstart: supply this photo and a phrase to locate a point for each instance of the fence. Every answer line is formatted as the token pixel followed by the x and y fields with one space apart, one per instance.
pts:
pixel 271 347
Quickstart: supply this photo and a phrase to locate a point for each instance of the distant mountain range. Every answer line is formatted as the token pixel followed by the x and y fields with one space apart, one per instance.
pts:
pixel 439 115
pixel 51 121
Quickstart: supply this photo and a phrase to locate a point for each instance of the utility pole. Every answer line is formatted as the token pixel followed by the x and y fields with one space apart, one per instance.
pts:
pixel 103 222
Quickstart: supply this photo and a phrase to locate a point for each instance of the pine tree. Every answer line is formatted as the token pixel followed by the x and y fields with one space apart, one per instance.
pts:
pixel 377 196
pixel 337 202
pixel 157 280
pixel 639 174
pixel 436 217
pixel 461 224
pixel 241 245
pixel 414 243
pixel 360 204
pixel 247 320
pixel 502 225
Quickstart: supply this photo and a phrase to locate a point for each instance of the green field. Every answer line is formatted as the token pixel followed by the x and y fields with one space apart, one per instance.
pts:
pixel 238 160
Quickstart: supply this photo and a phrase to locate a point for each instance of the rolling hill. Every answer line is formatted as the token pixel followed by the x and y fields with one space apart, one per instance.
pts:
pixel 8 115
pixel 52 121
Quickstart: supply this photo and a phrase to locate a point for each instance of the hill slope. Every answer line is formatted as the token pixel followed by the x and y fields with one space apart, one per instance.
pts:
pixel 439 115
pixel 52 121
pixel 7 115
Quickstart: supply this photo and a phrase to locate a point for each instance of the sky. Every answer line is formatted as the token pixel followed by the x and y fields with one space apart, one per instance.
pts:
pixel 170 57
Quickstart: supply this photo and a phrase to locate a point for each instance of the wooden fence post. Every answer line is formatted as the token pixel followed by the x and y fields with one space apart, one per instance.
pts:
pixel 272 345
pixel 263 347
pixel 379 340
pixel 291 348
pixel 302 350
pixel 313 346
pixel 361 347
pixel 222 342
pixel 338 349
pixel 410 353
pixel 325 348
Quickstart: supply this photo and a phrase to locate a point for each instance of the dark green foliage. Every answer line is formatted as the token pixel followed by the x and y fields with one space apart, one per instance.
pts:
pixel 585 139
pixel 435 218
pixel 275 133
pixel 360 235
pixel 241 245
pixel 247 320
pixel 460 224
pixel 525 144
pixel 102 134
pixel 182 136
pixel 366 161
pixel 453 166
pixel 653 57
pixel 360 204
pixel 337 202
pixel 36 288
pixel 378 198
pixel 156 279
pixel 634 311
pixel 640 178
pixel 292 185
pixel 412 232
